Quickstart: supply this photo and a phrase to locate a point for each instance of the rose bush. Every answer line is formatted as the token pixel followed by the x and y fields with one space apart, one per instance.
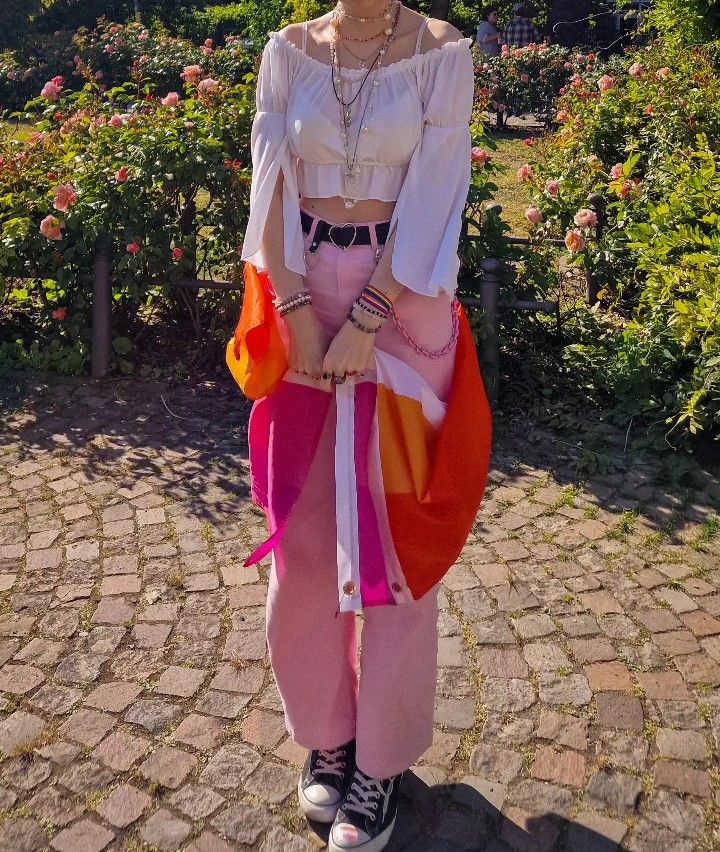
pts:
pixel 526 79
pixel 642 133
pixel 163 186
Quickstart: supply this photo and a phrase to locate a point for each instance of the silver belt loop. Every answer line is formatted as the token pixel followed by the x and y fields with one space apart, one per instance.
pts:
pixel 376 247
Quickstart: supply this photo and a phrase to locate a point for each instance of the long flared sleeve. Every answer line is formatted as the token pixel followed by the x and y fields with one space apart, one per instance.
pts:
pixel 428 214
pixel 271 155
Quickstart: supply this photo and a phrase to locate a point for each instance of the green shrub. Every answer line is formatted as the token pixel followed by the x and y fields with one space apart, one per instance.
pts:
pixel 641 133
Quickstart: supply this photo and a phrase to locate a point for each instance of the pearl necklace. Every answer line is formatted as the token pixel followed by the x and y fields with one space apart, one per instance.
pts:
pixel 352 166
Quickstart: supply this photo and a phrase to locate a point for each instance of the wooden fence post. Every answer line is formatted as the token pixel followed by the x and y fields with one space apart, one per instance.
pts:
pixel 101 314
pixel 597 204
pixel 489 296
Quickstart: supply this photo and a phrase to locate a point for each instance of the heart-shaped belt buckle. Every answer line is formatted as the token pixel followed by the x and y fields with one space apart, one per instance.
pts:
pixel 346 225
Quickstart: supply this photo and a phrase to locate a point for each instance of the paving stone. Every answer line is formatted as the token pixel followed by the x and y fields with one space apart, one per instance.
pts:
pixel 682 778
pixel 622 750
pixel 494 662
pixel 200 732
pixel 261 729
pixel 620 793
pixel 680 714
pixel 165 831
pixel 180 681
pixel 698 668
pixel 682 817
pixel 513 598
pixel 580 625
pixel 534 626
pixel 676 642
pixel 510 695
pixel 455 712
pixel 494 631
pixel 658 620
pixel 230 766
pixel 22 835
pixel 209 842
pixel 87 726
pixel 114 697
pixel 114 610
pixel 86 776
pixel 681 745
pixel 571 689
pixel 527 833
pixel 591 832
pixel 124 805
pixel 224 704
pixel 563 729
pixel 480 794
pixel 495 764
pixel 280 840
pixel 613 677
pixel 120 750
pixel 151 635
pixel 648 837
pixel 168 766
pixel 41 653
pixel 196 801
pixel 443 749
pixel 80 668
pixel 20 679
pixel 272 782
pixel 679 602
pixel 56 700
pixel 243 823
pixel 53 805
pixel 592 650
pixel 541 798
pixel 83 836
pixel 545 656
pixel 152 714
pixel 560 767
pixel 662 685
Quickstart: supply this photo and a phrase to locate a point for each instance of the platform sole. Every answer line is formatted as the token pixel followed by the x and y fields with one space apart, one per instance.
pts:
pixel 375 844
pixel 319 813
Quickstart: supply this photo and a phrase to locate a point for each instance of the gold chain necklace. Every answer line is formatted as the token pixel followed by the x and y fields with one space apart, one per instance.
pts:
pixel 352 167
pixel 385 14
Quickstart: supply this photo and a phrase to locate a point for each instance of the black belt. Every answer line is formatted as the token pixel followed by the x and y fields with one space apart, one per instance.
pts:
pixel 342 236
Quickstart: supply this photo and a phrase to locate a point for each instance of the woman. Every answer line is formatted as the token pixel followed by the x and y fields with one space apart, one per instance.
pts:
pixel 361 166
pixel 488 36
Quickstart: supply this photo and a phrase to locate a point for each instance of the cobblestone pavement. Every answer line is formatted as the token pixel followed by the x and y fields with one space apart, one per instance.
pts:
pixel 577 706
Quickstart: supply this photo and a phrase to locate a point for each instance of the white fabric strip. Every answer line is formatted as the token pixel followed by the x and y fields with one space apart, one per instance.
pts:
pixel 346 510
pixel 401 379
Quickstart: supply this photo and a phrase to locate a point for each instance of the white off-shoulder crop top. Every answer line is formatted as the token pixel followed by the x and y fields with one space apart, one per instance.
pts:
pixel 415 152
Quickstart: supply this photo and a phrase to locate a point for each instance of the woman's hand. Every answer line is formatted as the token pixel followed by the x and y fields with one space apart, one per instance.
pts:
pixel 309 341
pixel 349 351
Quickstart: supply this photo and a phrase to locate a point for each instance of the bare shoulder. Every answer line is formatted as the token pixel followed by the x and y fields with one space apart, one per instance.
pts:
pixel 293 34
pixel 439 33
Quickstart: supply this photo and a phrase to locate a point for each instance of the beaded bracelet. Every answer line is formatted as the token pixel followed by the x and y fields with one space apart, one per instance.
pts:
pixel 362 327
pixel 281 301
pixel 298 302
pixel 372 299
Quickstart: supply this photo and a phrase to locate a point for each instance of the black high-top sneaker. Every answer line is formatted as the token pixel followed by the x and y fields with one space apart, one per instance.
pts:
pixel 324 781
pixel 366 817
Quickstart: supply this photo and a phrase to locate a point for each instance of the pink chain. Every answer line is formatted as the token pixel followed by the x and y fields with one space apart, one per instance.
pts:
pixel 429 353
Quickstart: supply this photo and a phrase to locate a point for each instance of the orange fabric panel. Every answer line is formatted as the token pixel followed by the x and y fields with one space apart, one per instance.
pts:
pixel 429 530
pixel 256 354
pixel 405 461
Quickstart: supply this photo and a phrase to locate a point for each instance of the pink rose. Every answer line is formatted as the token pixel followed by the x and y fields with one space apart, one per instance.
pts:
pixel 524 78
pixel 594 161
pixel 524 172
pixel 59 314
pixel 122 174
pixel 109 49
pixel 191 73
pixel 479 156
pixel 171 99
pixel 65 196
pixel 636 70
pixel 58 80
pixel 606 82
pixel 177 254
pixel 143 36
pixel 625 189
pixel 99 75
pixel 567 66
pixel 534 215
pixel 562 116
pixel 208 42
pixel 552 187
pixel 207 51
pixel 662 73
pixel 649 110
pixel 574 241
pixel 11 75
pixel 51 228
pixel 616 172
pixel 116 121
pixel 51 91
pixel 585 218
pixel 133 248
pixel 207 86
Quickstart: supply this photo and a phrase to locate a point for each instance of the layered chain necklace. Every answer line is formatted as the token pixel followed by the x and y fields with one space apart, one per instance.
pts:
pixel 352 165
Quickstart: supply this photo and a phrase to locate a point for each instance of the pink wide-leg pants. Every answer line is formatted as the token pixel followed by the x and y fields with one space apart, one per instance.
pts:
pixel 387 701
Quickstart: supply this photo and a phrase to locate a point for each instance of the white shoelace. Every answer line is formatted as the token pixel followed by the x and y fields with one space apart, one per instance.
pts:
pixel 330 762
pixel 367 790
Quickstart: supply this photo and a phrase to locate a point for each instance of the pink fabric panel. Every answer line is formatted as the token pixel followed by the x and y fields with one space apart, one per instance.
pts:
pixel 374 588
